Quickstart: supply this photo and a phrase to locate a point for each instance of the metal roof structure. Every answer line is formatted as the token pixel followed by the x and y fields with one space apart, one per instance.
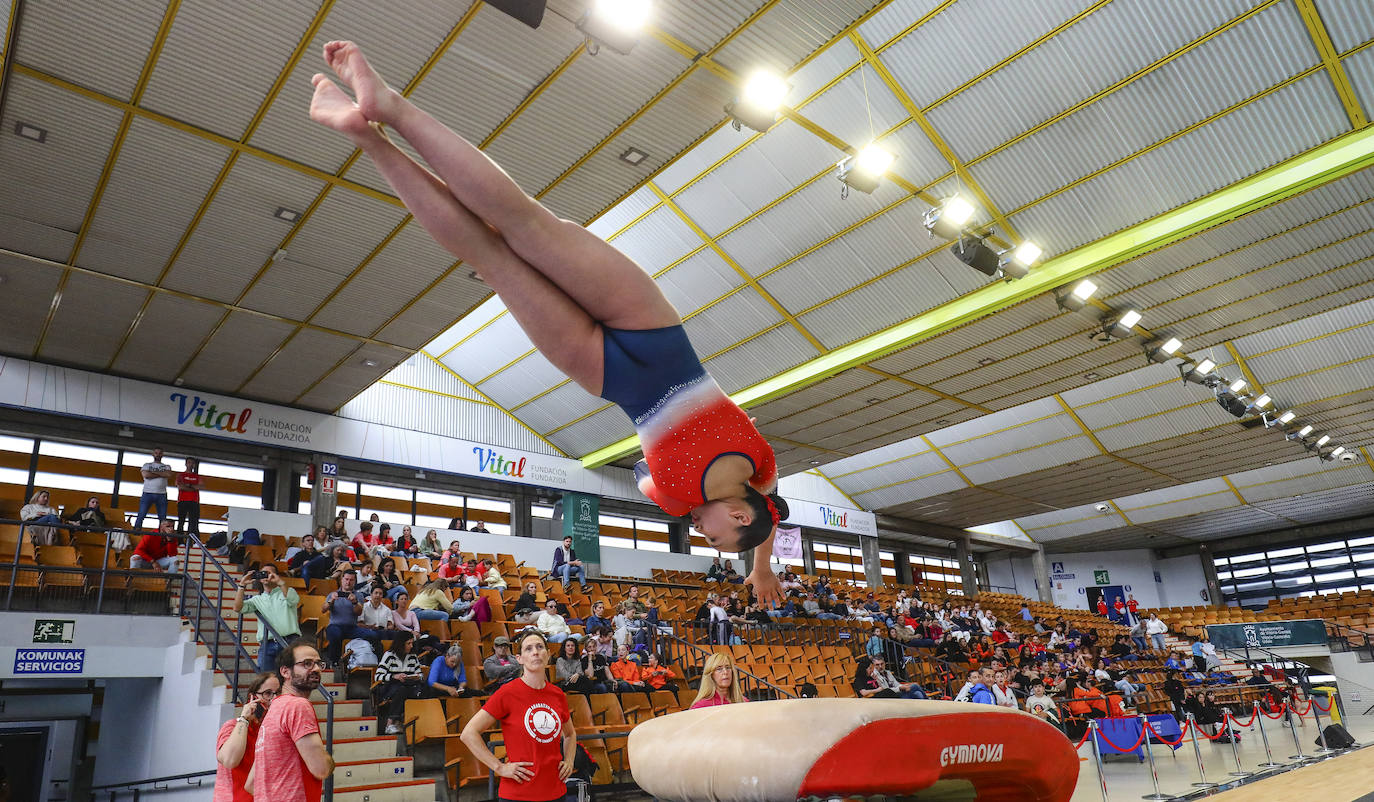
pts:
pixel 141 236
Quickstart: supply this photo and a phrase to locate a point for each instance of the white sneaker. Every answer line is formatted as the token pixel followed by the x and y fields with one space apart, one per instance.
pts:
pixel 393 729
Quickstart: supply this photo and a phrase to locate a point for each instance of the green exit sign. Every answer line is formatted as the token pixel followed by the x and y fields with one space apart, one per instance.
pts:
pixel 1100 577
pixel 51 631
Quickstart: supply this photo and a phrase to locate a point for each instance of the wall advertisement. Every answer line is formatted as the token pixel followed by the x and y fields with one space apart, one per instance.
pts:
pixel 828 516
pixel 1268 634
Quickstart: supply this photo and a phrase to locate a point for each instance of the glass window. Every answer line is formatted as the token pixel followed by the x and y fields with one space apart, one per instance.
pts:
pixel 433 521
pixel 84 453
pixel 1339 544
pixel 1327 562
pixel 384 491
pixel 46 480
pixel 617 542
pixel 1359 541
pixel 491 504
pixel 650 545
pixel 1277 553
pixel 1335 576
pixel 540 511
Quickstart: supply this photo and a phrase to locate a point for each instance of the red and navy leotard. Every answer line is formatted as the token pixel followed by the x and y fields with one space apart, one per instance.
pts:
pixel 684 420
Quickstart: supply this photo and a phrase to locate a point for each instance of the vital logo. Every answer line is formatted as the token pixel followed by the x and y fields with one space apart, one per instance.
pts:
pixel 970 753
pixel 831 518
pixel 488 461
pixel 193 411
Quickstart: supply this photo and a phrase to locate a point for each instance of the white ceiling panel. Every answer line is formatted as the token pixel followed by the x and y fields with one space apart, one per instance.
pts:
pixel 103 46
pixel 150 352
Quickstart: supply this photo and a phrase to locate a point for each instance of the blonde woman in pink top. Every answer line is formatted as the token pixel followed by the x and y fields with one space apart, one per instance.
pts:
pixel 719 685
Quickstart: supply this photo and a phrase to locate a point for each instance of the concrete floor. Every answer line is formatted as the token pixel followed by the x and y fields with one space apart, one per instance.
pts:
pixel 1130 780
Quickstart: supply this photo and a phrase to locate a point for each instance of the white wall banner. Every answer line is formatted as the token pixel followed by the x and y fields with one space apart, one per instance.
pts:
pixel 828 516
pixel 67 391
pixel 787 544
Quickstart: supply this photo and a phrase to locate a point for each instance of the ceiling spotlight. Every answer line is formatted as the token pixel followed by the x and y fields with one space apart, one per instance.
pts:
pixel 1017 263
pixel 947 220
pixel 370 363
pixel 1232 402
pixel 1286 417
pixel 289 215
pixel 864 170
pixel 30 131
pixel 1262 402
pixel 1118 328
pixel 975 253
pixel 1195 373
pixel 1323 440
pixel 1305 431
pixel 1074 299
pixel 616 24
pixel 758 103
pixel 1162 351
pixel 633 156
pixel 1238 386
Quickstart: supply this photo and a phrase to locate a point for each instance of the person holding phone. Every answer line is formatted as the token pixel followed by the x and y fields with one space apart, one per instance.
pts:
pixel 238 738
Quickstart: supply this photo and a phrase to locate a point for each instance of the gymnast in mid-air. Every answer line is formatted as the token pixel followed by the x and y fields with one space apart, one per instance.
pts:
pixel 590 310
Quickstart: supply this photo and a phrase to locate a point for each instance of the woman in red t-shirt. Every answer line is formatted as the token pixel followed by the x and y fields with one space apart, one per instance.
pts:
pixel 535 725
pixel 239 737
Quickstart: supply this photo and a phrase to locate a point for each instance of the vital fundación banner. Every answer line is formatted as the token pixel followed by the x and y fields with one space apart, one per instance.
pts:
pixel 1268 634
pixel 828 516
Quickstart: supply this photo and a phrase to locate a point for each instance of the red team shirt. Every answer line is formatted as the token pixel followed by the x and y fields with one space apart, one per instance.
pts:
pixel 281 775
pixel 532 722
pixel 229 782
pixel 193 492
pixel 691 429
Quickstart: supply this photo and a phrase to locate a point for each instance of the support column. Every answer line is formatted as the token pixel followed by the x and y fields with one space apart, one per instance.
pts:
pixel 323 505
pixel 967 577
pixel 873 564
pixel 1042 574
pixel 521 513
pixel 284 486
pixel 902 562
pixel 1209 572
pixel 679 537
pixel 808 555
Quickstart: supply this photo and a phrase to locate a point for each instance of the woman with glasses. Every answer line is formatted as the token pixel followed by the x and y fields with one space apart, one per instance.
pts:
pixel 239 737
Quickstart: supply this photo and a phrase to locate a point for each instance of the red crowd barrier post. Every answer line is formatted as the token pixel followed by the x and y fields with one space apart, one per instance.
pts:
pixel 1097 754
pixel 1197 752
pixel 1150 755
pixel 1321 731
pixel 1235 753
pixel 1300 757
pixel 1268 757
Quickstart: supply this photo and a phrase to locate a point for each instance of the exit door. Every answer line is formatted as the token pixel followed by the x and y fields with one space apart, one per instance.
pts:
pixel 1110 593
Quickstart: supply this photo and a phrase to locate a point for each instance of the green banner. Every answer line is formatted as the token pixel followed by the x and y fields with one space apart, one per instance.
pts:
pixel 582 523
pixel 1268 634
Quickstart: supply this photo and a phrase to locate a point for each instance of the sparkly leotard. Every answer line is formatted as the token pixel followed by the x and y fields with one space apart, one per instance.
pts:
pixel 684 420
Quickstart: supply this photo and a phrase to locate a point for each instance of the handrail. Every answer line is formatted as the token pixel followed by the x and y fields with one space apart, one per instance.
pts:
pixel 208 558
pixel 1340 635
pixel 1299 667
pixel 701 654
pixel 153 780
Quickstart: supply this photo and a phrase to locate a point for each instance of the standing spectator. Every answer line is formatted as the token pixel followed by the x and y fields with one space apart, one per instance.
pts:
pixel 398 677
pixel 540 740
pixel 406 545
pixel 432 602
pixel 155 475
pixel 430 547
pixel 1118 609
pixel 447 675
pixel 626 672
pixel 92 517
pixel 238 739
pixel 719 685
pixel 1102 605
pixel 1133 607
pixel 188 498
pixel 277 606
pixel 478 526
pixel 551 625
pixel 156 551
pixel 1199 657
pixel 566 565
pixel 40 519
pixel 344 607
pixel 500 668
pixel 658 676
pixel 1156 628
pixel 721 631
pixel 290 761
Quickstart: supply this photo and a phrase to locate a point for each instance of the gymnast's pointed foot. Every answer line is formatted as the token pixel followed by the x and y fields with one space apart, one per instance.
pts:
pixel 332 108
pixel 377 101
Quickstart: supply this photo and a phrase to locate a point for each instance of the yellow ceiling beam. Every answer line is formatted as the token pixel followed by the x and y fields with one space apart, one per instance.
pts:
pixel 1103 450
pixel 107 170
pixel 925 388
pixel 1244 369
pixel 1321 39
pixel 488 399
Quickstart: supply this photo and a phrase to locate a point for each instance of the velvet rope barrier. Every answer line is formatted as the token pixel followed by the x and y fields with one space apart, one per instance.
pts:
pixel 1326 709
pixel 1300 713
pixel 1150 728
pixel 1207 736
pixel 1277 715
pixel 1084 739
pixel 1108 741
pixel 1240 723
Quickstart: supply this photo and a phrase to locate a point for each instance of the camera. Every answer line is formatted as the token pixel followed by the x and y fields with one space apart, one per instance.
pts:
pixel 257 575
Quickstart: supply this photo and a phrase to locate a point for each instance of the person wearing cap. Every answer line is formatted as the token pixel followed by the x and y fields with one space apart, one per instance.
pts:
pixel 501 667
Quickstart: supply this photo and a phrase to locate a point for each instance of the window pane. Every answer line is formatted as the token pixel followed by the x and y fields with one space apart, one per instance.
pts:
pixel 617 542
pixel 430 522
pixel 447 499
pixel 44 480
pixel 1339 544
pixel 1276 553
pixel 649 545
pixel 84 453
pixel 488 504
pixel 1335 576
pixel 383 491
pixel 223 471
pixel 540 511
pixel 1327 562
pixel 651 526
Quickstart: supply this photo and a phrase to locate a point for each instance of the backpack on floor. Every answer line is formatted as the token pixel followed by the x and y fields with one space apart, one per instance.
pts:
pixel 1337 737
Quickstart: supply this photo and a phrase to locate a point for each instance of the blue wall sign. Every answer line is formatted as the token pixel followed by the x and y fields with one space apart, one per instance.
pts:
pixel 49 661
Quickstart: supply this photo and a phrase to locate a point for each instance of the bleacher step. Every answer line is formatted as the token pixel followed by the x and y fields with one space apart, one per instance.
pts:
pixel 351 750
pixel 373 772
pixel 410 791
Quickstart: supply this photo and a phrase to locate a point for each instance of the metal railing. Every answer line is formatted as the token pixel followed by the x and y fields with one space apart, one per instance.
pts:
pixel 1288 664
pixel 1341 638
pixel 674 649
pixel 139 787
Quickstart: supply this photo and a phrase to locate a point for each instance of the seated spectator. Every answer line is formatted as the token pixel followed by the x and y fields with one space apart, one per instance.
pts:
pixel 338 533
pixel 158 552
pixel 454 549
pixel 1257 677
pixel 331 565
pixel 658 676
pixel 981 693
pixel 1040 705
pixel 457 525
pixel 447 675
pixel 478 526
pixel 429 547
pixel 810 607
pixel 566 566
pixel 92 517
pixel 376 615
pixel 729 574
pixel 637 612
pixel 453 570
pixel 344 608
pixel 627 673
pixel 432 603
pixel 501 667
pixel 716 573
pixel 873 680
pixel 570 672
pixel 402 617
pixel 365 541
pixel 297 556
pixel 1002 694
pixel 551 624
pixel 597 619
pixel 1209 654
pixel 1096 702
pixel 596 657
pixel 965 693
pixel 470 607
pixel 489 577
pixel 719 685
pixel 366 576
pixel 406 545
pixel 704 611
pixel 399 676
pixel 41 520
pixel 385 542
pixel 388 579
pixel 1175 662
pixel 527 606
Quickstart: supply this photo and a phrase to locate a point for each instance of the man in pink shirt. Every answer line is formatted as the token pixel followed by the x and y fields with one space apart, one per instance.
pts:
pixel 291 761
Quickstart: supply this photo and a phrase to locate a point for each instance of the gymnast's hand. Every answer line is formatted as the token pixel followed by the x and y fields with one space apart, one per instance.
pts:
pixel 519 771
pixel 766 586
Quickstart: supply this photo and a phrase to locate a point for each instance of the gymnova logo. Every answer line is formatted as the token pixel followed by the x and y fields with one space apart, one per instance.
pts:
pixel 970 753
